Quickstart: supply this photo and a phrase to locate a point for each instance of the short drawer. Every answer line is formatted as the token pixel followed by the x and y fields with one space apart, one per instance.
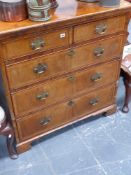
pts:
pixel 35 43
pixel 98 99
pixel 99 28
pixel 62 88
pixel 41 68
pixel 95 77
pixel 58 115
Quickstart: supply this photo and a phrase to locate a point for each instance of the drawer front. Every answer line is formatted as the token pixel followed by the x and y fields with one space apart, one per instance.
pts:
pixel 42 42
pixel 93 101
pixel 54 64
pixel 99 28
pixel 96 52
pixel 96 77
pixel 42 95
pixel 44 120
pixel 61 114
pixel 56 90
pixel 36 70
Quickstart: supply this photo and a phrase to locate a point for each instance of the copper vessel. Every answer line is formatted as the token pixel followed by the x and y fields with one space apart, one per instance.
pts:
pixel 13 10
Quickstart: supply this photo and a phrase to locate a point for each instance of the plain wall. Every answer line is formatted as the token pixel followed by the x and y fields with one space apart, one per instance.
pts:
pixel 129 30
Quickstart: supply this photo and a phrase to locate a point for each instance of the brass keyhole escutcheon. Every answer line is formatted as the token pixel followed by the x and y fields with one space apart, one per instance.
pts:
pixel 71 53
pixel 71 103
pixel 71 78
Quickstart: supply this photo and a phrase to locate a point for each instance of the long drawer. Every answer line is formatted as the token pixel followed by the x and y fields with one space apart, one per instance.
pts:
pixel 61 114
pixel 99 28
pixel 41 68
pixel 62 88
pixel 35 43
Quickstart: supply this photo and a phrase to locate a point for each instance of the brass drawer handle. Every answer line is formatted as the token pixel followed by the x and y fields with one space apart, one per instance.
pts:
pixel 40 68
pixel 45 121
pixel 94 101
pixel 101 29
pixel 99 51
pixel 42 96
pixel 96 77
pixel 71 78
pixel 71 103
pixel 37 44
pixel 71 53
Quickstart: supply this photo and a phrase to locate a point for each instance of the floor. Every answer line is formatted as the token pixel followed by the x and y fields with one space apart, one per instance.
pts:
pixel 98 146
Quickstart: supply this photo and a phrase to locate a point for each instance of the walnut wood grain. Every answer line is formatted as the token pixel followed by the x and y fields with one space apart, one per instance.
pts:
pixel 65 61
pixel 35 43
pixel 26 100
pixel 66 13
pixel 58 115
pixel 99 28
pixel 77 77
pixel 26 145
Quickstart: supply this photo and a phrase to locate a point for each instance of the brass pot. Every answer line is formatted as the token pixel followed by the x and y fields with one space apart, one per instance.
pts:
pixel 39 10
pixel 13 11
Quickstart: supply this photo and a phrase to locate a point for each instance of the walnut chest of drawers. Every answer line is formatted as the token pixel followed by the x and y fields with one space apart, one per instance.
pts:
pixel 64 70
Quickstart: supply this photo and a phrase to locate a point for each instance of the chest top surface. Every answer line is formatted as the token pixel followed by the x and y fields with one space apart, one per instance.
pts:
pixel 67 10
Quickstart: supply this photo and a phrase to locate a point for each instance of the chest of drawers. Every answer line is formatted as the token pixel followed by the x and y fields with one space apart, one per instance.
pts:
pixel 64 70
